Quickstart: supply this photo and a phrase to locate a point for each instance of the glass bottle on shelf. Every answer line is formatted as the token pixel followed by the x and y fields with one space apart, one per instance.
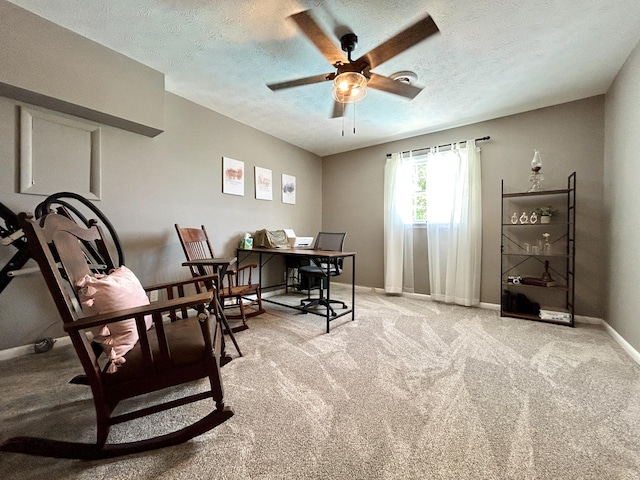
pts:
pixel 514 218
pixel 546 247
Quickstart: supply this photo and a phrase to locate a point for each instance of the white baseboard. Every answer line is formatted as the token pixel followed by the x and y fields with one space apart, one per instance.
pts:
pixel 626 346
pixel 490 306
pixel 29 349
pixel 590 320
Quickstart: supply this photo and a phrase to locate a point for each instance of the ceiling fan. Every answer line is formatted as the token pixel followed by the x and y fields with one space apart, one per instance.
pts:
pixel 352 77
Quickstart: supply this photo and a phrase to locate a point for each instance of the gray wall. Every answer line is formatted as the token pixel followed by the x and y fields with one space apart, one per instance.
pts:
pixel 37 68
pixel 149 184
pixel 570 138
pixel 622 198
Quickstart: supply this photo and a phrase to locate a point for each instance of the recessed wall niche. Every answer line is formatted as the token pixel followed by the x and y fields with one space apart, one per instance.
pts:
pixel 58 154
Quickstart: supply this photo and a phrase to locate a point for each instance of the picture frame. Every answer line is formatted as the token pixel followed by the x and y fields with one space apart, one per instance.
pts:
pixel 263 183
pixel 288 189
pixel 232 176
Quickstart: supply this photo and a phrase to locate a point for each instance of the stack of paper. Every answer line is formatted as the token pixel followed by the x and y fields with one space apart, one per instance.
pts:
pixel 555 316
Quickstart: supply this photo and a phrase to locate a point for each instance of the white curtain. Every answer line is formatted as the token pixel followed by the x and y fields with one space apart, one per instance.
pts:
pixel 398 232
pixel 454 224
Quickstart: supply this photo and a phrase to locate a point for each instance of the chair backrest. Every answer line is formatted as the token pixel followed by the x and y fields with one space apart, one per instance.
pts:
pixel 330 241
pixel 196 245
pixel 69 250
pixel 76 207
pixel 333 242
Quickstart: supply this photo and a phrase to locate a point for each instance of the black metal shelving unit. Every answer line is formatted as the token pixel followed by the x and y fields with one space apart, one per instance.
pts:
pixel 557 301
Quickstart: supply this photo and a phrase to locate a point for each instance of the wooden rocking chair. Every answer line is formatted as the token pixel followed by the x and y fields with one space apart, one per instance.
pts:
pixel 169 353
pixel 237 289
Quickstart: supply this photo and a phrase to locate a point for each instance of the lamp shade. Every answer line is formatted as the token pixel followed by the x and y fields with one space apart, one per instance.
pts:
pixel 349 87
pixel 536 163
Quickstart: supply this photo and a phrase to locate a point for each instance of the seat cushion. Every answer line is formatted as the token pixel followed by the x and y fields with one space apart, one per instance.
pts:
pixel 315 271
pixel 186 347
pixel 118 290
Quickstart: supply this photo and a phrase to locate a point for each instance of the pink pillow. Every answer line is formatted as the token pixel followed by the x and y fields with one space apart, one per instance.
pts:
pixel 118 290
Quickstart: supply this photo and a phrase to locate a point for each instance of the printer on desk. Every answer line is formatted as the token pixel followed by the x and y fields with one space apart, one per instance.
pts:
pixel 298 242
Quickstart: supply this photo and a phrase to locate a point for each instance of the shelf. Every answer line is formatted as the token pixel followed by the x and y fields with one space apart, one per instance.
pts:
pixel 524 285
pixel 515 258
pixel 538 224
pixel 525 316
pixel 524 254
pixel 536 194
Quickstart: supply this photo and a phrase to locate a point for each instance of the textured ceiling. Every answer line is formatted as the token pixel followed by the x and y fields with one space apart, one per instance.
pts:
pixel 491 58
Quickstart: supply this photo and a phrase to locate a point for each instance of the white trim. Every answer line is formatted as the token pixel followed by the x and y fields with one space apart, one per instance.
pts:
pixel 91 187
pixel 590 320
pixel 29 349
pixel 490 306
pixel 626 346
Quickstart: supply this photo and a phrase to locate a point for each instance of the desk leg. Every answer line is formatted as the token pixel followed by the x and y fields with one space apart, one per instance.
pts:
pixel 353 288
pixel 328 295
pixel 260 270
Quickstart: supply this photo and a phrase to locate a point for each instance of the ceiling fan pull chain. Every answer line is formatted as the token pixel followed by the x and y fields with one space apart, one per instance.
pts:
pixel 343 119
pixel 354 118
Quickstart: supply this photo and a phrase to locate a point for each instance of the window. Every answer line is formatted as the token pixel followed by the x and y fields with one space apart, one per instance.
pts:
pixel 419 200
pixel 433 179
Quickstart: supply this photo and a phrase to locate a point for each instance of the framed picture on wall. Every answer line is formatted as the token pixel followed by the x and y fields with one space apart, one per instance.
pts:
pixel 264 184
pixel 288 189
pixel 232 176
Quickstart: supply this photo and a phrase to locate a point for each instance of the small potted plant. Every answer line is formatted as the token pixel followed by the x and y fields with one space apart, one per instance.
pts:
pixel 545 213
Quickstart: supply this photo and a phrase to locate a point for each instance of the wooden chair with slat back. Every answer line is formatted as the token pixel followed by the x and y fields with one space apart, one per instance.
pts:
pixel 237 289
pixel 166 354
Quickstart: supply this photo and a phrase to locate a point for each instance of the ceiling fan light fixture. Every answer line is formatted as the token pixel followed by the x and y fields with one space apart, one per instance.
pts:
pixel 349 87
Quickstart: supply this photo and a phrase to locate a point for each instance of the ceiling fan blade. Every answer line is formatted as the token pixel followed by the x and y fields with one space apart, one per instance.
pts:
pixel 312 30
pixel 338 109
pixel 389 85
pixel 301 81
pixel 402 41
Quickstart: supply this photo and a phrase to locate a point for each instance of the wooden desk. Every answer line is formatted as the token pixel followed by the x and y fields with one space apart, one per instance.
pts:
pixel 318 256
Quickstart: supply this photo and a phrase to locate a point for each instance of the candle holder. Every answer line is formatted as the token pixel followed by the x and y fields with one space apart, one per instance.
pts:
pixel 546 276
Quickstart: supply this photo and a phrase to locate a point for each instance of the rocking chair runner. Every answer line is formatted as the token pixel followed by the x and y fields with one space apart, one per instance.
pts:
pixel 237 286
pixel 168 354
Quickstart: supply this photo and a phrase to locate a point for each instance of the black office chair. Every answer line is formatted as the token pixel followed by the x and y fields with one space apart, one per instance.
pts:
pixel 329 241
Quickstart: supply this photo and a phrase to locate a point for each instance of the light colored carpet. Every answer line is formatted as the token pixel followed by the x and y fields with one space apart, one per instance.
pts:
pixel 411 389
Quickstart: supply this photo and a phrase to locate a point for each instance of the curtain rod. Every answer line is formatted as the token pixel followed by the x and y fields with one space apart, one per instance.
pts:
pixel 481 139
